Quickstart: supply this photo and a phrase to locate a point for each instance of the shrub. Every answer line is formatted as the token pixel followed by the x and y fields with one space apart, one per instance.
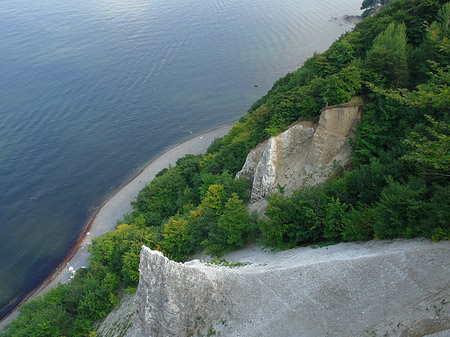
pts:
pixel 333 221
pixel 358 223
pixel 400 210
pixel 291 221
pixel 235 227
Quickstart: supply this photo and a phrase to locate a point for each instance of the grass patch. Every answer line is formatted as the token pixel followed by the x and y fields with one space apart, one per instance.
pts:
pixel 225 263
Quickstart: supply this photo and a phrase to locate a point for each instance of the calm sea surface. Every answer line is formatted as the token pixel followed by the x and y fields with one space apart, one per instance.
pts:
pixel 91 90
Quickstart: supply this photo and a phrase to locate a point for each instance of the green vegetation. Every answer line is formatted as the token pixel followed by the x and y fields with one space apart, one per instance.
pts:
pixel 370 6
pixel 398 187
pixel 226 263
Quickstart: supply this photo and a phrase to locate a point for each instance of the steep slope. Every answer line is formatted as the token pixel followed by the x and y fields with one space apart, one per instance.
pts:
pixel 306 153
pixel 387 288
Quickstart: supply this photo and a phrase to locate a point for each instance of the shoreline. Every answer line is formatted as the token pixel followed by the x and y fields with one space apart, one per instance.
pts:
pixel 106 215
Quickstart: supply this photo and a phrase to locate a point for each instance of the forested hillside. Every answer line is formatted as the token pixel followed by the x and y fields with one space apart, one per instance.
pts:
pixel 398 61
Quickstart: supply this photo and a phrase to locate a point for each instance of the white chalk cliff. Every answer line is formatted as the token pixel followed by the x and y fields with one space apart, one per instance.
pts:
pixel 305 154
pixel 382 288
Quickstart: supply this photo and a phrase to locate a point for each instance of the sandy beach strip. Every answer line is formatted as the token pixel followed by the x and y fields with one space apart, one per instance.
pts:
pixel 105 218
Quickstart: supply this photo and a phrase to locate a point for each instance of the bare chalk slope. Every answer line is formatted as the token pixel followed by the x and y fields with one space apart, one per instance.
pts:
pixel 382 288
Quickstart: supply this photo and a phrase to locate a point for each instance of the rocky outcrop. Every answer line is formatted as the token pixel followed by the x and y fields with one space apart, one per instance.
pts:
pixel 177 300
pixel 122 321
pixel 304 154
pixel 382 288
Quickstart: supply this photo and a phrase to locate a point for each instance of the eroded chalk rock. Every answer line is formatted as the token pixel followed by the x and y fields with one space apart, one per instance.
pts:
pixel 384 288
pixel 304 154
pixel 177 300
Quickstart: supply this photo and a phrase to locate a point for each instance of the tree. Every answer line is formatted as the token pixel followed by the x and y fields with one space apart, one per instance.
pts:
pixel 432 151
pixel 215 198
pixel 292 220
pixel 387 58
pixel 234 223
pixel 341 87
pixel 333 225
pixel 439 31
pixel 370 4
pixel 358 223
pixel 119 250
pixel 175 241
pixel 434 93
pixel 400 210
pixel 159 200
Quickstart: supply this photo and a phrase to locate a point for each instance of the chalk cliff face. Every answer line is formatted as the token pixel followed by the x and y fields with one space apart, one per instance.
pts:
pixel 349 289
pixel 304 154
pixel 176 300
pixel 383 287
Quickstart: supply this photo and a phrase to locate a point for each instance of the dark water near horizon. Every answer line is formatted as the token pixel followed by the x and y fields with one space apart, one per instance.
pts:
pixel 91 90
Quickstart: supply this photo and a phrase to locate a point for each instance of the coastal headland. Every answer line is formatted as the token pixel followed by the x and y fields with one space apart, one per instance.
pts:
pixel 106 216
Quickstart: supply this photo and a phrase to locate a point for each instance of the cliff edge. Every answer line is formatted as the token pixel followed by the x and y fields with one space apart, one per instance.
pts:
pixel 383 288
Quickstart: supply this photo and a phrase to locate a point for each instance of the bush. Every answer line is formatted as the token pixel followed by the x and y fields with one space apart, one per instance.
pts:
pixel 235 227
pixel 292 221
pixel 176 240
pixel 158 200
pixel 361 185
pixel 358 223
pixel 333 221
pixel 400 210
pixel 119 250
pixel 341 87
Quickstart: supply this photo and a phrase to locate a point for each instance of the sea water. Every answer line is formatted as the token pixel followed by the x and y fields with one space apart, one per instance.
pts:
pixel 91 90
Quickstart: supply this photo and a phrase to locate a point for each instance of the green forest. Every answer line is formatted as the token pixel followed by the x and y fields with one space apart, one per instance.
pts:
pixel 397 60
